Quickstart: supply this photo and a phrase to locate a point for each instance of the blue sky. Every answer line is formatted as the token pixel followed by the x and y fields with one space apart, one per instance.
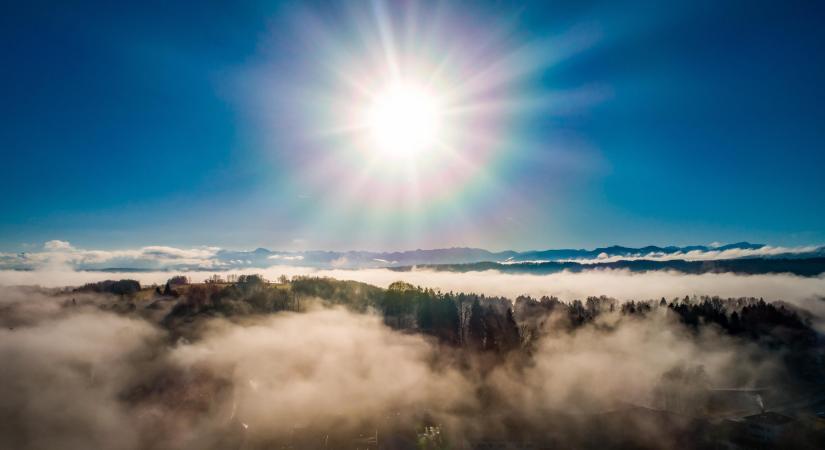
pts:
pixel 159 124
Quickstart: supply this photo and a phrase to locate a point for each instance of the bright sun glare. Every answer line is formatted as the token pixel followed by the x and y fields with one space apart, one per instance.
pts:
pixel 404 121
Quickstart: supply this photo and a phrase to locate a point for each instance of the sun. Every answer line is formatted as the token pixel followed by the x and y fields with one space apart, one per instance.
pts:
pixel 404 121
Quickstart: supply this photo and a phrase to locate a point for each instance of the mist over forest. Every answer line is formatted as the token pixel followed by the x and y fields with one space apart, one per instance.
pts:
pixel 312 362
pixel 412 225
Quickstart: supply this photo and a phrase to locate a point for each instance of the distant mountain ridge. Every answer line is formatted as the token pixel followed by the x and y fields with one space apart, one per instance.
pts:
pixel 617 250
pixel 465 255
pixel 216 259
pixel 806 267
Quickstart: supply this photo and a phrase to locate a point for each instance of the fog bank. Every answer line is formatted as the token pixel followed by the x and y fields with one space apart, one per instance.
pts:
pixel 76 377
pixel 620 284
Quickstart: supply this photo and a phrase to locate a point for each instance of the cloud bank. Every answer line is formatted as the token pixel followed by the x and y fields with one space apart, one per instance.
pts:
pixel 57 253
pixel 804 292
pixel 620 284
pixel 703 255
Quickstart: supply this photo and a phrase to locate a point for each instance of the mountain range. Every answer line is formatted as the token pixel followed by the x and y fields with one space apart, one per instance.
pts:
pixel 464 255
pixel 686 258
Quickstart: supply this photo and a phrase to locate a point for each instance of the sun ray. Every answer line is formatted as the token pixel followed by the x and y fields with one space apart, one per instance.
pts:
pixel 410 111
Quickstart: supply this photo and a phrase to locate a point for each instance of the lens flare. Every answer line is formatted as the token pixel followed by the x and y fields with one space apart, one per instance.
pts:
pixel 404 121
pixel 398 120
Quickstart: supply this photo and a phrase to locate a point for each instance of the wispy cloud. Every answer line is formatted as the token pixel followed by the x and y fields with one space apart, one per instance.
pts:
pixel 286 257
pixel 57 253
pixel 702 255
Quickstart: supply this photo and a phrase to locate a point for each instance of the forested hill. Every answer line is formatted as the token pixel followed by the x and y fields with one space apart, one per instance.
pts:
pixel 683 372
pixel 468 320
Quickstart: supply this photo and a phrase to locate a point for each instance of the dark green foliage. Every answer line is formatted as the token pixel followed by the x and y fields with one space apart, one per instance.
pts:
pixel 476 332
pixel 399 304
pixel 438 315
pixel 350 294
pixel 751 317
pixel 120 287
pixel 489 324
pixel 407 307
pixel 250 295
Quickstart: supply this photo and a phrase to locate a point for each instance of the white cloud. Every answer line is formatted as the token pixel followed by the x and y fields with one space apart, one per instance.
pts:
pixel 700 255
pixel 57 245
pixel 286 257
pixel 61 253
pixel 339 262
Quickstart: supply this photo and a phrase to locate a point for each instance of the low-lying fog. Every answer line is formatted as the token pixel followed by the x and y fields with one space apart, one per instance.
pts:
pixel 77 377
pixel 806 292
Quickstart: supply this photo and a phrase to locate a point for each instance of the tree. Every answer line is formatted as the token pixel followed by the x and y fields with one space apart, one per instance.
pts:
pixel 120 287
pixel 178 280
pixel 475 329
pixel 214 279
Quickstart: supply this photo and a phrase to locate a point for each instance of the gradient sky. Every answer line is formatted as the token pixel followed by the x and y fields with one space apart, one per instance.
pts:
pixel 172 124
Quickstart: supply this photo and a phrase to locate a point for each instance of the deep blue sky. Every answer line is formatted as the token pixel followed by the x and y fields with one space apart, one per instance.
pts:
pixel 126 125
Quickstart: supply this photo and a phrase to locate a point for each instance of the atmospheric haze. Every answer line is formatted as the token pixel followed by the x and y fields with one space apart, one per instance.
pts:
pixel 76 376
